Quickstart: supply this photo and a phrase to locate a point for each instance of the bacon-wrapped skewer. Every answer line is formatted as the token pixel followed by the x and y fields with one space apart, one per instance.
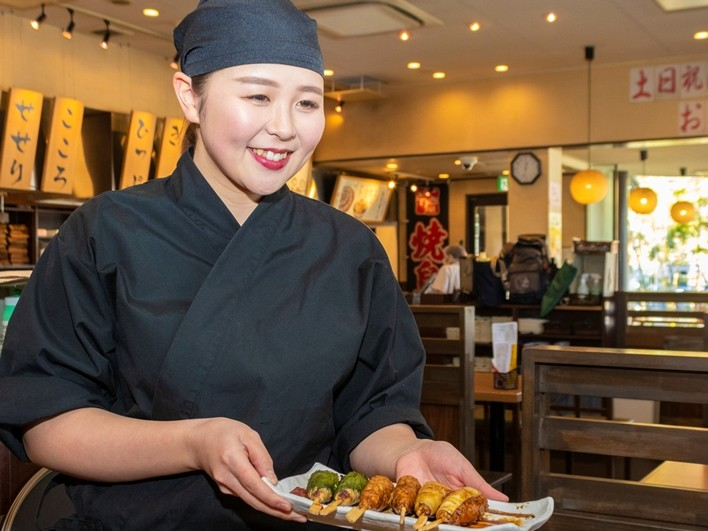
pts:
pixel 376 495
pixel 470 511
pixel 429 498
pixel 404 495
pixel 449 505
pixel 348 491
pixel 320 488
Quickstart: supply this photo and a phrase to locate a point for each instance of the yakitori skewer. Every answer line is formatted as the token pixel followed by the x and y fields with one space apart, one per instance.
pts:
pixel 429 498
pixel 376 496
pixel 449 505
pixel 348 491
pixel 404 495
pixel 320 488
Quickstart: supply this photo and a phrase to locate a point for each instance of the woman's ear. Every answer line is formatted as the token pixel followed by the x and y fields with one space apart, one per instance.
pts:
pixel 186 97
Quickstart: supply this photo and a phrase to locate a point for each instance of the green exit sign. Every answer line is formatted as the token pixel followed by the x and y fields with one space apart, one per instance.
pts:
pixel 502 183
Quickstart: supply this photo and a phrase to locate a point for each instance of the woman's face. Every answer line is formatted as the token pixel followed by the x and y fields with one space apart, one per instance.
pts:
pixel 258 125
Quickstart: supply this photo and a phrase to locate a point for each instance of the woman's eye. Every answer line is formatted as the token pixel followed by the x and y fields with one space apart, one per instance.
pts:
pixel 309 104
pixel 259 98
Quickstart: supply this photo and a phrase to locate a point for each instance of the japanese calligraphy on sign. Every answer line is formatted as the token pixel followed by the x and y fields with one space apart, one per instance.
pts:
pixel 170 147
pixel 138 149
pixel 686 80
pixel 63 146
pixel 427 233
pixel 20 139
pixel 681 81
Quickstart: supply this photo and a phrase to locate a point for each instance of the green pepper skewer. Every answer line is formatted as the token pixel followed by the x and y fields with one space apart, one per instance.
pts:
pixel 320 488
pixel 348 491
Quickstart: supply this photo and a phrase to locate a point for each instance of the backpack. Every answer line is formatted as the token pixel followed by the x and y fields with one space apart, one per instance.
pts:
pixel 526 269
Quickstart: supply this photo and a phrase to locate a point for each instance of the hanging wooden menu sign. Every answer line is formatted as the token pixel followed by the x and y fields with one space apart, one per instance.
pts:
pixel 63 146
pixel 138 149
pixel 170 147
pixel 20 139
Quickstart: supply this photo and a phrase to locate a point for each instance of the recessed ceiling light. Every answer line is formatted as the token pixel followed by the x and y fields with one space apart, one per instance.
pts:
pixel 474 26
pixel 151 12
pixel 404 35
pixel 501 68
pixel 700 35
pixel 328 72
pixel 391 166
pixel 444 175
pixel 551 17
pixel 413 65
pixel 439 75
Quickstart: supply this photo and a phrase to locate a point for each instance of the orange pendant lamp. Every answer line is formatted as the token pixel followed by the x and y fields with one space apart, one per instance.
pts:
pixel 683 212
pixel 643 200
pixel 589 186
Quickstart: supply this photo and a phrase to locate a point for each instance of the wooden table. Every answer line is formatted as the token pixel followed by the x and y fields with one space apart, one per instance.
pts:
pixel 498 400
pixel 678 474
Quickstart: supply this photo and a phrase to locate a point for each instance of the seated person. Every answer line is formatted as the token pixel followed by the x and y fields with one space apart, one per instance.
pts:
pixel 447 279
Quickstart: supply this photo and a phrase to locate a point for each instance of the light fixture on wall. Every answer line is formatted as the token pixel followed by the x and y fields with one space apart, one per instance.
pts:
pixel 106 35
pixel 339 107
pixel 589 186
pixel 642 200
pixel 67 33
pixel 37 22
pixel 683 212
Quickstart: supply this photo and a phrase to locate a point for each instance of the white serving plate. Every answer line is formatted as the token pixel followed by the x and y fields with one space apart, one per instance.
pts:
pixel 375 521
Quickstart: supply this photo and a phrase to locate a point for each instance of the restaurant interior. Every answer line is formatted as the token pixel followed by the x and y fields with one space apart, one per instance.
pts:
pixel 434 108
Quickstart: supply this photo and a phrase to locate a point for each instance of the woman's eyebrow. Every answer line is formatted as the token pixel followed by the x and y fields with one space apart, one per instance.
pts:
pixel 255 80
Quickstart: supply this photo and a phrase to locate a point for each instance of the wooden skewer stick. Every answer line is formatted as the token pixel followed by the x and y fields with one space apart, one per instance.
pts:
pixel 420 522
pixel 432 525
pixel 330 508
pixel 315 508
pixel 355 514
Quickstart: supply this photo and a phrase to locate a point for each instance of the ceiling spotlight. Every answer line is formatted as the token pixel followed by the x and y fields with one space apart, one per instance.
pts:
pixel 413 187
pixel 340 106
pixel 474 26
pixel 106 35
pixel 404 35
pixel 413 65
pixel 151 12
pixel 37 22
pixel 551 17
pixel 439 75
pixel 70 28
pixel 174 64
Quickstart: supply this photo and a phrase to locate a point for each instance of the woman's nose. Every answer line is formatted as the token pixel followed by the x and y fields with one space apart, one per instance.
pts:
pixel 281 123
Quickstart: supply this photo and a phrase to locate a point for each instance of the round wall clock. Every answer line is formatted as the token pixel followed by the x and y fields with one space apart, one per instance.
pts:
pixel 525 167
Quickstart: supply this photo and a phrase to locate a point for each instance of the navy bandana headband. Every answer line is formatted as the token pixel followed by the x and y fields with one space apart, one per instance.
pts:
pixel 223 33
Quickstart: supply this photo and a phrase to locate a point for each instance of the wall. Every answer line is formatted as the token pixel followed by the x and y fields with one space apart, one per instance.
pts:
pixel 543 110
pixel 120 79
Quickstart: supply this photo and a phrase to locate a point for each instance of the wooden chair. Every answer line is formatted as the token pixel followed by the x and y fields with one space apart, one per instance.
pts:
pixel 590 503
pixel 448 383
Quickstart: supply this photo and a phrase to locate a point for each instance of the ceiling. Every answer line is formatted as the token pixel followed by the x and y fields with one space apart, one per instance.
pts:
pixel 513 32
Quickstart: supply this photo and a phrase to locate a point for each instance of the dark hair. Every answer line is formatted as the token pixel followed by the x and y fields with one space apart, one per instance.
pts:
pixel 190 133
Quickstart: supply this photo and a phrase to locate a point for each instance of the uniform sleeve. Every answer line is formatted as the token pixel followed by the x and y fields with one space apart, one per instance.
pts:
pixel 385 386
pixel 56 352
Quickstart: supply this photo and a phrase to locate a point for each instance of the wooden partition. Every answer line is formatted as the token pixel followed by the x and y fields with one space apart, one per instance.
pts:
pixel 671 321
pixel 448 383
pixel 590 503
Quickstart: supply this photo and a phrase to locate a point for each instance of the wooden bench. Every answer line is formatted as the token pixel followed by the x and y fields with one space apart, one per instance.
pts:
pixel 589 503
pixel 447 401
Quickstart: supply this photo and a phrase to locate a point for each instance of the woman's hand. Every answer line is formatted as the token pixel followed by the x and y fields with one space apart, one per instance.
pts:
pixel 442 462
pixel 236 459
pixel 98 445
pixel 395 451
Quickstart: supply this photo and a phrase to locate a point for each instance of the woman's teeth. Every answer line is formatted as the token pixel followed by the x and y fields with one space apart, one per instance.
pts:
pixel 270 155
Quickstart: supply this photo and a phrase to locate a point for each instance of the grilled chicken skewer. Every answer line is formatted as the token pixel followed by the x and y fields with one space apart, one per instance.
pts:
pixel 320 488
pixel 450 504
pixel 404 495
pixel 429 498
pixel 348 491
pixel 376 495
pixel 470 511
